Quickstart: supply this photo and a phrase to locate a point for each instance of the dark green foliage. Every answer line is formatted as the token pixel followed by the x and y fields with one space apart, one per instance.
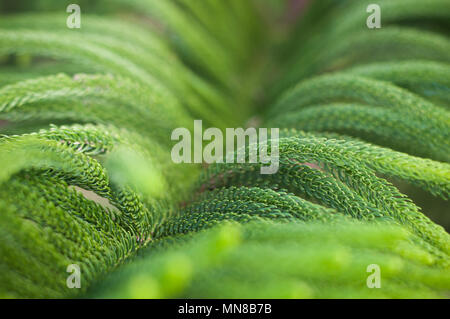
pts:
pixel 85 152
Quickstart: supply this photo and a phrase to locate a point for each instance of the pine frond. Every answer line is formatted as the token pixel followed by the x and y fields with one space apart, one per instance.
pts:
pixel 332 256
pixel 87 178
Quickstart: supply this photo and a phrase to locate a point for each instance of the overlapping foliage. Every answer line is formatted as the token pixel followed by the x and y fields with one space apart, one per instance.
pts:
pixel 87 176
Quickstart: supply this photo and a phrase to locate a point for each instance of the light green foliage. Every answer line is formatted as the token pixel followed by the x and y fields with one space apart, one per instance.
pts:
pixel 426 78
pixel 267 259
pixel 87 177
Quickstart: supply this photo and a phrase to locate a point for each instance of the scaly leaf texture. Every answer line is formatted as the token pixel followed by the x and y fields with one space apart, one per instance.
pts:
pixel 87 178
